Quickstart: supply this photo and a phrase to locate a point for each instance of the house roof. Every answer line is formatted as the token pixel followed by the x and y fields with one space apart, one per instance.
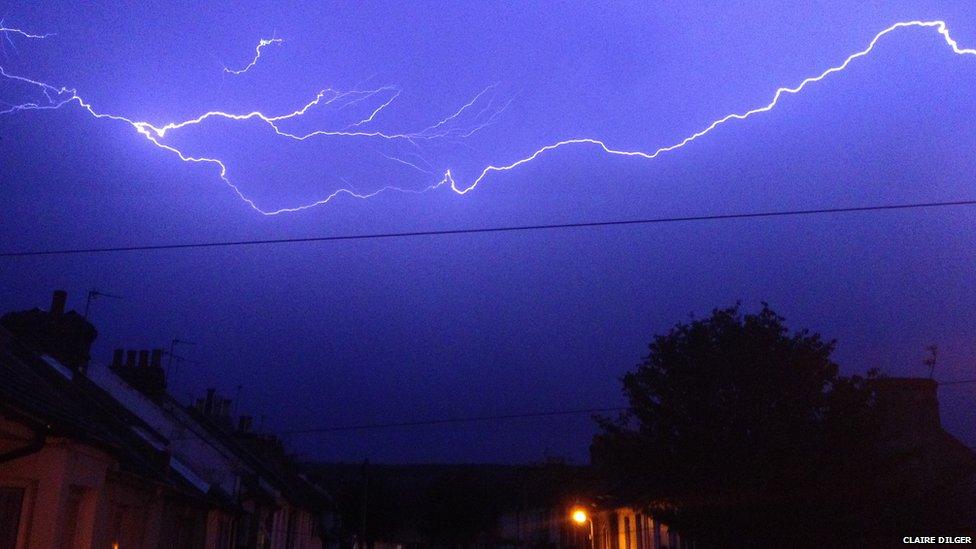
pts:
pixel 43 360
pixel 62 402
pixel 279 470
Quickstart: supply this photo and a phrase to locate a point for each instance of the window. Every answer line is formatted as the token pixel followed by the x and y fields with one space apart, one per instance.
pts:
pixel 72 511
pixel 225 533
pixel 639 523
pixel 244 530
pixel 11 501
pixel 291 531
pixel 626 532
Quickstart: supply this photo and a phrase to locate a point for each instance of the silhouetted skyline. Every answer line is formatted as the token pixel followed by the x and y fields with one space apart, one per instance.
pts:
pixel 401 330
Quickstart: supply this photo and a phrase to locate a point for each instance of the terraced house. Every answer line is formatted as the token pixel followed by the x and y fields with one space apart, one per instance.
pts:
pixel 104 457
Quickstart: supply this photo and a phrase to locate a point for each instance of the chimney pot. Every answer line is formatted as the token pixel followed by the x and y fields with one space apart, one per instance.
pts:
pixel 130 359
pixel 208 405
pixel 143 359
pixel 117 358
pixel 58 301
pixel 157 359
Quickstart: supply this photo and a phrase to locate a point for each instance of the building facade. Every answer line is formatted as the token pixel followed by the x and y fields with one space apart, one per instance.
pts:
pixel 103 457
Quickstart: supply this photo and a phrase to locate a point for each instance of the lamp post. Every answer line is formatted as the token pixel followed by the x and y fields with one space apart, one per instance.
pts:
pixel 581 517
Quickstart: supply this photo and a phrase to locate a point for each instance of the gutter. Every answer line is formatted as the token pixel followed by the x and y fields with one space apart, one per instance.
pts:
pixel 32 447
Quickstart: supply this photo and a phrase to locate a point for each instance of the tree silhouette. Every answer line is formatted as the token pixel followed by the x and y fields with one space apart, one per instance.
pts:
pixel 740 432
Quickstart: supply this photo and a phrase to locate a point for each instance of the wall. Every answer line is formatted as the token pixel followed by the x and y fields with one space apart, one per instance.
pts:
pixel 75 498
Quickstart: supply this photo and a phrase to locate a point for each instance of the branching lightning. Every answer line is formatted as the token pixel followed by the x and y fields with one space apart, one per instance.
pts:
pixel 257 55
pixel 460 124
pixel 8 31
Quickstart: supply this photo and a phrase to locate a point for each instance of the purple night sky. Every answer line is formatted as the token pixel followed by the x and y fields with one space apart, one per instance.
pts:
pixel 339 333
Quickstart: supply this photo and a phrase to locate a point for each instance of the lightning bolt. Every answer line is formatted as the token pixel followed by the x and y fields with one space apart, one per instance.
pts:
pixel 446 127
pixel 60 97
pixel 940 26
pixel 257 55
pixel 7 31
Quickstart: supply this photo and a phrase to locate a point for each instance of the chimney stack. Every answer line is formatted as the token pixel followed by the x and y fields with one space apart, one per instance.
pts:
pixel 244 424
pixel 57 302
pixel 65 336
pixel 145 376
pixel 208 404
pixel 157 359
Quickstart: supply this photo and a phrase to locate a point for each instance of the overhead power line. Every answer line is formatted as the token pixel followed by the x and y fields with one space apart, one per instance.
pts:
pixel 443 421
pixel 957 382
pixel 440 421
pixel 483 230
pixel 476 419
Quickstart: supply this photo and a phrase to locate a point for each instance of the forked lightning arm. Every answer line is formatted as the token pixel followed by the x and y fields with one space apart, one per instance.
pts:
pixel 257 55
pixel 450 126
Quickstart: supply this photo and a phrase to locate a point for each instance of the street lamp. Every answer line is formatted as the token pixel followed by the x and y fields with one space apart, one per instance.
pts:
pixel 581 517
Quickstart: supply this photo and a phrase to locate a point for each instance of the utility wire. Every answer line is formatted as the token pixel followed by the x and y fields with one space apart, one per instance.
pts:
pixel 443 421
pixel 957 382
pixel 475 419
pixel 513 228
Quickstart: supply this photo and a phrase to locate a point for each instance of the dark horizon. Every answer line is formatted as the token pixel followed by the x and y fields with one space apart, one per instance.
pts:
pixel 411 329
